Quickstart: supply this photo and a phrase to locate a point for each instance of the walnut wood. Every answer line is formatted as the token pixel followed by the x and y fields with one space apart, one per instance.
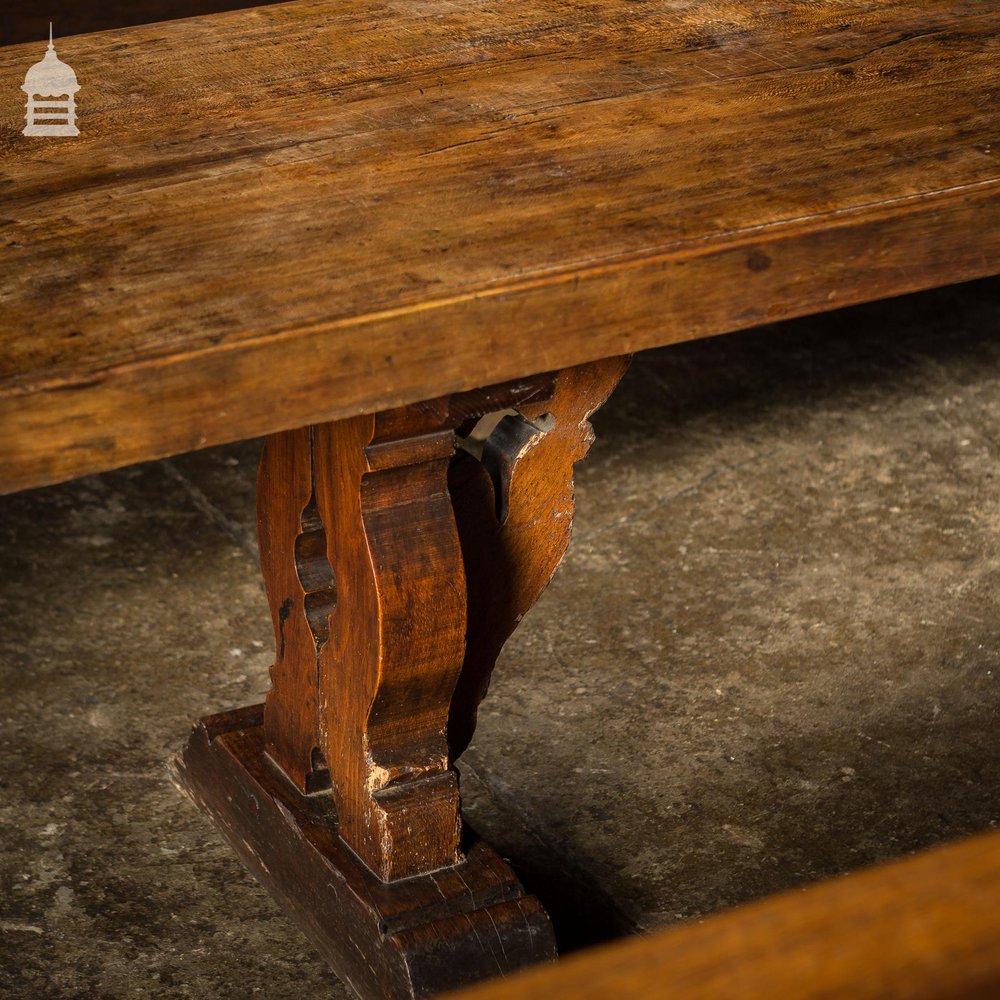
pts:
pixel 308 210
pixel 347 767
pixel 515 518
pixel 382 651
pixel 361 560
pixel 926 928
pixel 409 939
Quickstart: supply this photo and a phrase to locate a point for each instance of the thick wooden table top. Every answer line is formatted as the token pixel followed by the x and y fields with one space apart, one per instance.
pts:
pixel 316 208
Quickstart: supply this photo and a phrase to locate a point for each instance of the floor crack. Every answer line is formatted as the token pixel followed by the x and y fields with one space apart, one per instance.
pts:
pixel 211 511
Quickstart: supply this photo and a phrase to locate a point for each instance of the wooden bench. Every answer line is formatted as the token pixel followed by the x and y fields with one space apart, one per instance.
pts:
pixel 923 928
pixel 368 232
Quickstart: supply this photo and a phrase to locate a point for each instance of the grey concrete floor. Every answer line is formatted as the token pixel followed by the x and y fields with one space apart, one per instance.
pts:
pixel 771 655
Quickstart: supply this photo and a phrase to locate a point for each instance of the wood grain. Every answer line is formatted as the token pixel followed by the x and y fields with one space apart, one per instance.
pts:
pixel 361 560
pixel 410 939
pixel 310 210
pixel 382 649
pixel 397 635
pixel 926 928
pixel 514 509
pixel 292 542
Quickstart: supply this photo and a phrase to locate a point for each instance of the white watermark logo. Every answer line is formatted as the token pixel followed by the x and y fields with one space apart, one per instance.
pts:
pixel 51 78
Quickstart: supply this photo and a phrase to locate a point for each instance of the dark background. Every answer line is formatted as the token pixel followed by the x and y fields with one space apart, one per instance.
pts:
pixel 30 22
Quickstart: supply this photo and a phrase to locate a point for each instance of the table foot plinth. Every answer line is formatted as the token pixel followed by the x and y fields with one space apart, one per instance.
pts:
pixel 411 938
pixel 399 551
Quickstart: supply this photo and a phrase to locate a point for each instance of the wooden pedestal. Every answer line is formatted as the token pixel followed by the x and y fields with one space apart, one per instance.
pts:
pixel 411 938
pixel 399 552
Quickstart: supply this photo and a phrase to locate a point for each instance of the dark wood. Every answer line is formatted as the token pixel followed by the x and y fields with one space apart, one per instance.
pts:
pixel 364 573
pixel 409 939
pixel 925 928
pixel 383 649
pixel 515 517
pixel 299 580
pixel 310 210
pixel 22 23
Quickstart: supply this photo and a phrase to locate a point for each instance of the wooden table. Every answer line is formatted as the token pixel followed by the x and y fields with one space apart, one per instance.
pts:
pixel 366 231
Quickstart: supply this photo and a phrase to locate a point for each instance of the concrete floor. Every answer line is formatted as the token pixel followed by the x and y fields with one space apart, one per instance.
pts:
pixel 770 656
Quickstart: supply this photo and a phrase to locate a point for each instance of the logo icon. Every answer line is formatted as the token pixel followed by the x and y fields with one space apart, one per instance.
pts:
pixel 51 78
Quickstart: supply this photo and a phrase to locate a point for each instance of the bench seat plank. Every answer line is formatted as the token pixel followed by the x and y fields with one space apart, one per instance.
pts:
pixel 304 211
pixel 921 928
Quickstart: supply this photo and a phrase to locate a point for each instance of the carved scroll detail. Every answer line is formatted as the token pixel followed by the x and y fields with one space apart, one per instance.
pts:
pixel 515 518
pixel 396 640
pixel 391 595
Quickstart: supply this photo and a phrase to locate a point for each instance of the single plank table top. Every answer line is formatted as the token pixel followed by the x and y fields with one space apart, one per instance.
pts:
pixel 307 210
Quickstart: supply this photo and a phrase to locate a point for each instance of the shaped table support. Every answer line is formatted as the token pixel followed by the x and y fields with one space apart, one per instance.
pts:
pixel 399 552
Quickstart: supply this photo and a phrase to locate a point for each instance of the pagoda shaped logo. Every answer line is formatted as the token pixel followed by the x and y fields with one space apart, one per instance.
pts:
pixel 51 87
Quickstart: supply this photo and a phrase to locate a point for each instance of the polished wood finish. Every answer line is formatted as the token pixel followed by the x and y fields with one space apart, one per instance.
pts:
pixel 408 939
pixel 515 511
pixel 925 928
pixel 379 630
pixel 310 210
pixel 399 552
pixel 378 666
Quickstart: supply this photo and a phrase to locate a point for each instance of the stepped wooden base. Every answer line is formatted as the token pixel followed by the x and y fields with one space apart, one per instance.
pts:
pixel 411 938
pixel 399 551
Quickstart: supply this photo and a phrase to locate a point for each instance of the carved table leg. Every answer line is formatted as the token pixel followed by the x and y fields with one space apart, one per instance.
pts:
pixel 396 567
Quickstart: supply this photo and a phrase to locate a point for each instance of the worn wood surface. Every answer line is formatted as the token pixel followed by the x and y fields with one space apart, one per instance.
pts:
pixel 308 210
pixel 412 939
pixel 382 649
pixel 925 928
pixel 367 596
pixel 388 648
pixel 514 509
